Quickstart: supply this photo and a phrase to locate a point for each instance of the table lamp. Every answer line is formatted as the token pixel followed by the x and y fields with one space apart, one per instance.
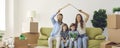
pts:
pixel 32 14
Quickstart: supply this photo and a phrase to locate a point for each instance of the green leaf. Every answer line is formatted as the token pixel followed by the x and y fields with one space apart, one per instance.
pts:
pixel 99 18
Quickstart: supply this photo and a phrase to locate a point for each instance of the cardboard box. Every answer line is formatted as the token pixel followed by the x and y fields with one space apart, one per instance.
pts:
pixel 33 27
pixel 31 38
pixel 113 21
pixel 115 46
pixel 108 44
pixel 114 35
pixel 105 44
pixel 20 43
pixel 32 45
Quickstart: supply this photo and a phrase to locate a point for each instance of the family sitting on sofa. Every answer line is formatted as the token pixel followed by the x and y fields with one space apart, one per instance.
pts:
pixel 75 36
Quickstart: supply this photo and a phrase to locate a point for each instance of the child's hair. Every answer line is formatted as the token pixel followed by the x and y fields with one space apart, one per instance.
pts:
pixel 66 26
pixel 73 24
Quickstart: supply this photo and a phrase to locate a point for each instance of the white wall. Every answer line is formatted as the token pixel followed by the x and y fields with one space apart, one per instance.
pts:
pixel 2 15
pixel 45 8
pixel 9 13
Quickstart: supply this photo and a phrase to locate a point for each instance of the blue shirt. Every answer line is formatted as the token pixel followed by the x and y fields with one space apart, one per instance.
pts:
pixel 56 27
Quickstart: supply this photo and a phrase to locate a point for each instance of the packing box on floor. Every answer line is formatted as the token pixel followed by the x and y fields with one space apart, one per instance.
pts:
pixel 116 46
pixel 108 44
pixel 113 21
pixel 105 44
pixel 114 35
pixel 33 27
pixel 20 43
pixel 32 38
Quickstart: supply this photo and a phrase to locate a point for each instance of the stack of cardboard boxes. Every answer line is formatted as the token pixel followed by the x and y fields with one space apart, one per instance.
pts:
pixel 31 37
pixel 113 25
pixel 114 28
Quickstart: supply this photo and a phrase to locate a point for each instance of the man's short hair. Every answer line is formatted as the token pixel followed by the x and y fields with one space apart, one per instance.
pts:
pixel 60 14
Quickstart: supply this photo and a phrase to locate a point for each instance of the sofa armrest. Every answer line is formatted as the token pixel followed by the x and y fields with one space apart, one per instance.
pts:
pixel 100 37
pixel 43 37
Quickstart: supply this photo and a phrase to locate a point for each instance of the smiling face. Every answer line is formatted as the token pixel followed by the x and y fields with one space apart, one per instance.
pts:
pixel 59 17
pixel 72 28
pixel 64 28
pixel 78 18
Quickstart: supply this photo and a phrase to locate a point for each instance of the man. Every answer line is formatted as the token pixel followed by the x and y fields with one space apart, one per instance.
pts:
pixel 57 27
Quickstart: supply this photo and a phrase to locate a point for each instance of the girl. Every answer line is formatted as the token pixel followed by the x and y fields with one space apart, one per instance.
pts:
pixel 73 34
pixel 82 37
pixel 64 36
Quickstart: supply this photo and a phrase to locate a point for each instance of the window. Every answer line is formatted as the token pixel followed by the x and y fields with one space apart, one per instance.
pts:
pixel 2 15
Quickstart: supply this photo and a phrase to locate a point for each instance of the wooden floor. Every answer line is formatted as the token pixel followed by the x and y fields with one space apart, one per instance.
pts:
pixel 41 47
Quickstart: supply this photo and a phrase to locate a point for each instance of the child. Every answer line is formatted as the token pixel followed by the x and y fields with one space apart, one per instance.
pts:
pixel 64 36
pixel 73 34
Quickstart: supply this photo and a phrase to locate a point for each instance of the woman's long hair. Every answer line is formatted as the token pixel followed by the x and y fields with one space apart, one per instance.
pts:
pixel 63 26
pixel 81 21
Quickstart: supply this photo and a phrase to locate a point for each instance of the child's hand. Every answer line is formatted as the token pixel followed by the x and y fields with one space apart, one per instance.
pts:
pixel 64 40
pixel 72 39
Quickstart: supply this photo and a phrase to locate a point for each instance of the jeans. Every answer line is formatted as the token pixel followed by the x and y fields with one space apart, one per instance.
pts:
pixel 82 41
pixel 73 43
pixel 64 44
pixel 50 39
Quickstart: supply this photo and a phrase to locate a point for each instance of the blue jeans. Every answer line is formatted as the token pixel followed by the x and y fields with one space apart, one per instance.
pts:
pixel 64 44
pixel 82 41
pixel 73 43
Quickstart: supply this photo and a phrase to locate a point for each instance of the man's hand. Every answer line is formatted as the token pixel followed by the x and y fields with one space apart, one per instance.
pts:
pixel 59 11
pixel 65 6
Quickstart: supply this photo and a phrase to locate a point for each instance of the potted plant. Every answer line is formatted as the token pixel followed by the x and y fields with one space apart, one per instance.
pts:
pixel 99 19
pixel 22 37
pixel 116 10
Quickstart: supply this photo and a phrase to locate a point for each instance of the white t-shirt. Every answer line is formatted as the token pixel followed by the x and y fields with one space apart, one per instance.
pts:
pixel 81 30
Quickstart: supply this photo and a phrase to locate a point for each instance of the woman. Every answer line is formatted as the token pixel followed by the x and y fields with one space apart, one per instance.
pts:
pixel 80 23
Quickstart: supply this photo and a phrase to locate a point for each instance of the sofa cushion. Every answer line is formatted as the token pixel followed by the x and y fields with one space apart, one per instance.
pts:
pixel 45 42
pixel 42 42
pixel 100 37
pixel 94 43
pixel 93 32
pixel 43 37
pixel 46 31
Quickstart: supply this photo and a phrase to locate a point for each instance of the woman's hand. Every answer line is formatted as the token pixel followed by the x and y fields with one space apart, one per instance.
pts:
pixel 86 14
pixel 80 10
